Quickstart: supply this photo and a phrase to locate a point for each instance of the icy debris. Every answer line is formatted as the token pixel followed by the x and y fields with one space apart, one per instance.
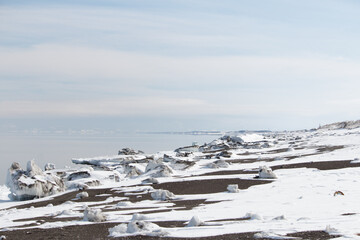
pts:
pixel 158 169
pixel 94 215
pixel 137 227
pixel 253 216
pixel 78 175
pixel 151 180
pixel 81 185
pixel 32 183
pixel 49 166
pixel 132 171
pixel 129 151
pixel 266 172
pixel 218 164
pixel 162 195
pixel 269 235
pixel 233 188
pixel 194 222
pixel 138 216
pixel 82 195
pixel 225 154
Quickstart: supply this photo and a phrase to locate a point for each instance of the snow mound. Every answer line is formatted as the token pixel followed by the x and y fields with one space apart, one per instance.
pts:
pixel 194 222
pixel 266 172
pixel 233 188
pixel 135 228
pixel 82 195
pixel 162 195
pixel 32 183
pixel 93 215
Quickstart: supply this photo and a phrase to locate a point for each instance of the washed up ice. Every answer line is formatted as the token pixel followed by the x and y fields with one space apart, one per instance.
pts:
pixel 32 183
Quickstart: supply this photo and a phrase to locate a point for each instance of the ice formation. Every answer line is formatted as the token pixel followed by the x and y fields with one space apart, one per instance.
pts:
pixel 32 183
pixel 49 166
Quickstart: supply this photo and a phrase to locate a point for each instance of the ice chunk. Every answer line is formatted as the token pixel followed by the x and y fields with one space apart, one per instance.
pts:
pixel 32 183
pixel 266 172
pixel 158 169
pixel 82 195
pixel 194 222
pixel 233 188
pixel 137 227
pixel 94 215
pixel 33 169
pixel 49 166
pixel 162 195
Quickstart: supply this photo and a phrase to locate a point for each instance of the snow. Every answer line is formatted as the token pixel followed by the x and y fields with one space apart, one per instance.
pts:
pixel 194 222
pixel 233 188
pixel 93 215
pixel 162 195
pixel 290 200
pixel 136 227
pixel 266 172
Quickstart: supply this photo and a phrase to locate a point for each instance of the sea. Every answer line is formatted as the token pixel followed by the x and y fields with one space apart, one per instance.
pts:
pixel 60 149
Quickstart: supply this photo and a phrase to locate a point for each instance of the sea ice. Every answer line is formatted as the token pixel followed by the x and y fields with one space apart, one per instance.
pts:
pixel 32 183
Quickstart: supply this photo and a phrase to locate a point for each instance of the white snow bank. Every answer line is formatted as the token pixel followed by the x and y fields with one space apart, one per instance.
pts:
pixel 162 195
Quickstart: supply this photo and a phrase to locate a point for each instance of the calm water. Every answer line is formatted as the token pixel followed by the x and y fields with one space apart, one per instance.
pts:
pixel 60 149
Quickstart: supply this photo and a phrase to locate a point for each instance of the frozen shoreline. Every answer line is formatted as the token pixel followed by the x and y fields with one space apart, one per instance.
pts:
pixel 310 168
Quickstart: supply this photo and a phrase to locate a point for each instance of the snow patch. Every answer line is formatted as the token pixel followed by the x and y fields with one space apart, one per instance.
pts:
pixel 162 195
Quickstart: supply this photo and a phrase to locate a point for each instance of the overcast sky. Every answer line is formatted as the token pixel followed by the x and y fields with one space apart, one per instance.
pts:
pixel 178 64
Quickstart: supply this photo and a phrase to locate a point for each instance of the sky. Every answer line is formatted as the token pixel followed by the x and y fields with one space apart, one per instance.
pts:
pixel 171 65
